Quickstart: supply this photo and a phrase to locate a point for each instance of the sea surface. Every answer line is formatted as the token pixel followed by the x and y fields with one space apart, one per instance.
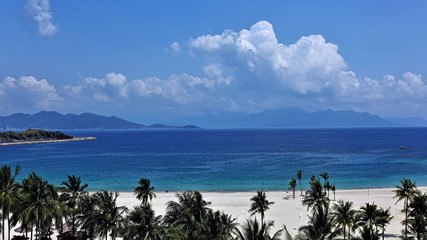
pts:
pixel 228 160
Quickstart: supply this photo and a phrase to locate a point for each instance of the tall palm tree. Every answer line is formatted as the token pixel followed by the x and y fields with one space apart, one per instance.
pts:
pixel 108 215
pixel 325 176
pixel 143 224
pixel 8 194
pixel 219 226
pixel 405 192
pixel 418 227
pixel 144 191
pixel 87 206
pixel 299 176
pixel 292 185
pixel 315 197
pixel 70 194
pixel 260 204
pixel 333 188
pixel 40 203
pixel 320 225
pixel 418 205
pixel 185 218
pixel 417 219
pixel 383 219
pixel 367 219
pixel 254 230
pixel 328 187
pixel 344 215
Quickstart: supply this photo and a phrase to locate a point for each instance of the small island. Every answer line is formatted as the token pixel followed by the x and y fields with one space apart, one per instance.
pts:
pixel 32 136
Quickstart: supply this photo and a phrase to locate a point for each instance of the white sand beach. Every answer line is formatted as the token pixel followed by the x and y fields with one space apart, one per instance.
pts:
pixel 285 211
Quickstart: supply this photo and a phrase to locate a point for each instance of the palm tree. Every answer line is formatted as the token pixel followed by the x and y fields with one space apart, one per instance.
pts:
pixel 144 191
pixel 333 190
pixel 368 233
pixel 315 197
pixel 328 187
pixel 344 215
pixel 368 219
pixel 320 225
pixel 299 176
pixel 418 227
pixel 254 230
pixel 325 176
pixel 219 226
pixel 88 211
pixel 260 204
pixel 185 218
pixel 40 203
pixel 8 194
pixel 143 224
pixel 108 216
pixel 383 219
pixel 71 192
pixel 405 192
pixel 292 185
pixel 417 221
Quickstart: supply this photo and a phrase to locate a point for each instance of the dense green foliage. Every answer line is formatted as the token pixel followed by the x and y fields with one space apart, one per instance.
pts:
pixel 32 135
pixel 36 205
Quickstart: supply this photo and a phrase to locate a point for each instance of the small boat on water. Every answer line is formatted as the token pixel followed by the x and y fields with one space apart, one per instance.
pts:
pixel 402 147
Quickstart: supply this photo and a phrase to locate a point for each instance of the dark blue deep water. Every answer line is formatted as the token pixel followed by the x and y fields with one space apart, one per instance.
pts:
pixel 229 160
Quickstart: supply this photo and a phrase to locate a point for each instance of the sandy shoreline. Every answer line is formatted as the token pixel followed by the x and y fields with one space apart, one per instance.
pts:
pixel 48 141
pixel 285 211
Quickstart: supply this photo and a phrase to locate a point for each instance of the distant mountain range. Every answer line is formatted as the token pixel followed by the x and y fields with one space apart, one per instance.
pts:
pixel 281 118
pixel 55 120
pixel 295 117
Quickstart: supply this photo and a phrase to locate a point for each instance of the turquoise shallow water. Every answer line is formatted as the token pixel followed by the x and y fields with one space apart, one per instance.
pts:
pixel 229 160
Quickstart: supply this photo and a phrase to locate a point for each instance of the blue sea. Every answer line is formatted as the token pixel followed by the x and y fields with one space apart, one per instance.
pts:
pixel 228 160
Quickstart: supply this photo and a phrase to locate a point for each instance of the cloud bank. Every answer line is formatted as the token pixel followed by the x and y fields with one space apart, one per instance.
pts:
pixel 39 11
pixel 247 71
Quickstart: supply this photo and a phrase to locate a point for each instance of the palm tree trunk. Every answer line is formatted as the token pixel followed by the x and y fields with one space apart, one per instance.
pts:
pixel 8 227
pixel 349 232
pixel 406 218
pixel 2 224
pixel 343 228
pixel 300 187
pixel 32 231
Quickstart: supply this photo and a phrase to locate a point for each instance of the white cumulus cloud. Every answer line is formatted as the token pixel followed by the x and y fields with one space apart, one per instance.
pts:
pixel 39 11
pixel 27 92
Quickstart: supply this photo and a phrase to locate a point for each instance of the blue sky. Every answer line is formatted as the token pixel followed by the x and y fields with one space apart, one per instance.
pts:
pixel 150 61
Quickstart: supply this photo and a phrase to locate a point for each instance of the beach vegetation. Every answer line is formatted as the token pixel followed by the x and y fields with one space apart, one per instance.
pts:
pixel 325 177
pixel 406 191
pixel 299 176
pixel 40 205
pixel 70 195
pixel 333 189
pixel 315 196
pixel 321 225
pixel 292 186
pixel 8 194
pixel 144 191
pixel 35 204
pixel 260 204
pixel 32 135
pixel 417 219
pixel 142 224
pixel 344 214
pixel 254 230
pixel 107 216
